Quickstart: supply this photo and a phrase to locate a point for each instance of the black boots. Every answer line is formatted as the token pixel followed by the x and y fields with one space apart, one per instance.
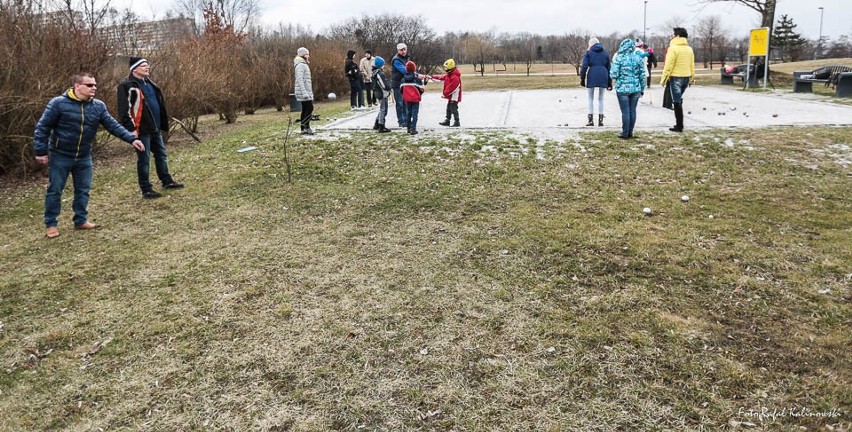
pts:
pixel 382 129
pixel 376 125
pixel 678 109
pixel 445 122
pixel 591 121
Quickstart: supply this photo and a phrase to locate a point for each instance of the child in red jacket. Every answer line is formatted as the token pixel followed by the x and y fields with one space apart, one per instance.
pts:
pixel 452 91
pixel 412 88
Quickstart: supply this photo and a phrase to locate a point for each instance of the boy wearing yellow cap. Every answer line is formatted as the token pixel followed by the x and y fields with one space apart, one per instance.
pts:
pixel 452 91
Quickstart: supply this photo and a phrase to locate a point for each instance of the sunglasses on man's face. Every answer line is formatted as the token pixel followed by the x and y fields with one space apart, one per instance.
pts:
pixel 89 85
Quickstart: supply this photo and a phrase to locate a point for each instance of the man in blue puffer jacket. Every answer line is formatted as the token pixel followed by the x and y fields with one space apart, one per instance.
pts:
pixel 63 141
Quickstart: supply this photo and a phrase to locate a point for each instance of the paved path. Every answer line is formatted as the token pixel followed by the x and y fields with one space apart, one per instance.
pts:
pixel 531 110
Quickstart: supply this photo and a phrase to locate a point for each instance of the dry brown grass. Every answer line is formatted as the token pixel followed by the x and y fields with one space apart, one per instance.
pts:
pixel 397 286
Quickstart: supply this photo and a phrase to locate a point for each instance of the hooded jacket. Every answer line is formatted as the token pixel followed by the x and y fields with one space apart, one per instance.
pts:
pixel 134 113
pixel 595 69
pixel 628 69
pixel 302 82
pixel 351 68
pixel 412 86
pixel 381 85
pixel 680 61
pixel 68 126
pixel 452 84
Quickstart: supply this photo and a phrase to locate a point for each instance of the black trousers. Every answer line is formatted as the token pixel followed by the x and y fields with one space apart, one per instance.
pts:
pixel 368 89
pixel 453 110
pixel 356 98
pixel 307 111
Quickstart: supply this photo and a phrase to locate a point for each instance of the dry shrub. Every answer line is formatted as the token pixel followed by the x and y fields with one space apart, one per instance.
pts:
pixel 38 58
pixel 222 70
pixel 327 60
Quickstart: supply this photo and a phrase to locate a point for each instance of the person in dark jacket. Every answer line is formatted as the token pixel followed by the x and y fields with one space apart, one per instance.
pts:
pixel 63 141
pixel 397 73
pixel 652 62
pixel 353 74
pixel 594 74
pixel 142 110
pixel 382 90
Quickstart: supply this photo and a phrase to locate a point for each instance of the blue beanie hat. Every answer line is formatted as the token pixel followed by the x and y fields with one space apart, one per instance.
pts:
pixel 378 61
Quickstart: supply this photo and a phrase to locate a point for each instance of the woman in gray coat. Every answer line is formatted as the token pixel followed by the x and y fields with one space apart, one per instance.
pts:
pixel 304 91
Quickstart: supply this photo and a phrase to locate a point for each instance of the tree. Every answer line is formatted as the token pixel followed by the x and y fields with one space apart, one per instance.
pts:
pixel 840 48
pixel 766 8
pixel 576 44
pixel 709 32
pixel 381 33
pixel 522 48
pixel 741 48
pixel 786 40
pixel 478 49
pixel 240 15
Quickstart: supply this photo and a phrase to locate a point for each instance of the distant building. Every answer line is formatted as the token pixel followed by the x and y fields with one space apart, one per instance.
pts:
pixel 146 37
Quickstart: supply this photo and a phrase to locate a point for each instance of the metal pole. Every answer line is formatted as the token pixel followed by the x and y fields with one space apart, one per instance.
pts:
pixel 765 71
pixel 645 23
pixel 748 70
pixel 819 41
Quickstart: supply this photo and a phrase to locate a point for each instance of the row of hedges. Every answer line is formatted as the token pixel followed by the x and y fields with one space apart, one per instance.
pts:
pixel 216 71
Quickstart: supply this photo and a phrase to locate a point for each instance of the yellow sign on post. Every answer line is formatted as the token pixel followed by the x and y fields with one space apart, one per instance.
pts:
pixel 758 44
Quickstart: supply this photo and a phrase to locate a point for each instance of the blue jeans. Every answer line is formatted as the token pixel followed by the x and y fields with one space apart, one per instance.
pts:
pixel 58 168
pixel 356 93
pixel 679 85
pixel 412 109
pixel 627 102
pixel 591 91
pixel 401 115
pixel 383 111
pixel 153 144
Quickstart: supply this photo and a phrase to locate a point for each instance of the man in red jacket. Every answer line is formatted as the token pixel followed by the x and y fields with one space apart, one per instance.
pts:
pixel 452 91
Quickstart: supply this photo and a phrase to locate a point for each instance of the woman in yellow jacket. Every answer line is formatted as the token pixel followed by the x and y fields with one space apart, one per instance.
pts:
pixel 680 70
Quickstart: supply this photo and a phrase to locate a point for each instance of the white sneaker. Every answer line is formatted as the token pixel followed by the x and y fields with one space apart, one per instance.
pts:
pixel 353 109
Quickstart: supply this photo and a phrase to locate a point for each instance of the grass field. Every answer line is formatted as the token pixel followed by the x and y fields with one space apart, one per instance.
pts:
pixel 472 282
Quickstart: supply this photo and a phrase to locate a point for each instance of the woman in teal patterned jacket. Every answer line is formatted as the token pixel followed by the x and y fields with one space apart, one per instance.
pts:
pixel 628 73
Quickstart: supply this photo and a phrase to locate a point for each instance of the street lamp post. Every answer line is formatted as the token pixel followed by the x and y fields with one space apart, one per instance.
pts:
pixel 819 41
pixel 645 22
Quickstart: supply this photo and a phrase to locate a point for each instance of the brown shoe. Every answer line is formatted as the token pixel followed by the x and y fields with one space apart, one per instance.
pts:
pixel 86 226
pixel 52 232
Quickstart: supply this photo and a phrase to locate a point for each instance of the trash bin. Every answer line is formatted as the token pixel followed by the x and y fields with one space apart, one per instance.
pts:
pixel 295 105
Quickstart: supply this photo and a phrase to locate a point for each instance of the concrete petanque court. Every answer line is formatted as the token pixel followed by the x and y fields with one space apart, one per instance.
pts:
pixel 556 112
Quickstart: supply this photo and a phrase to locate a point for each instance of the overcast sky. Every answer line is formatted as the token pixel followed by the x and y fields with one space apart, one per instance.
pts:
pixel 542 16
